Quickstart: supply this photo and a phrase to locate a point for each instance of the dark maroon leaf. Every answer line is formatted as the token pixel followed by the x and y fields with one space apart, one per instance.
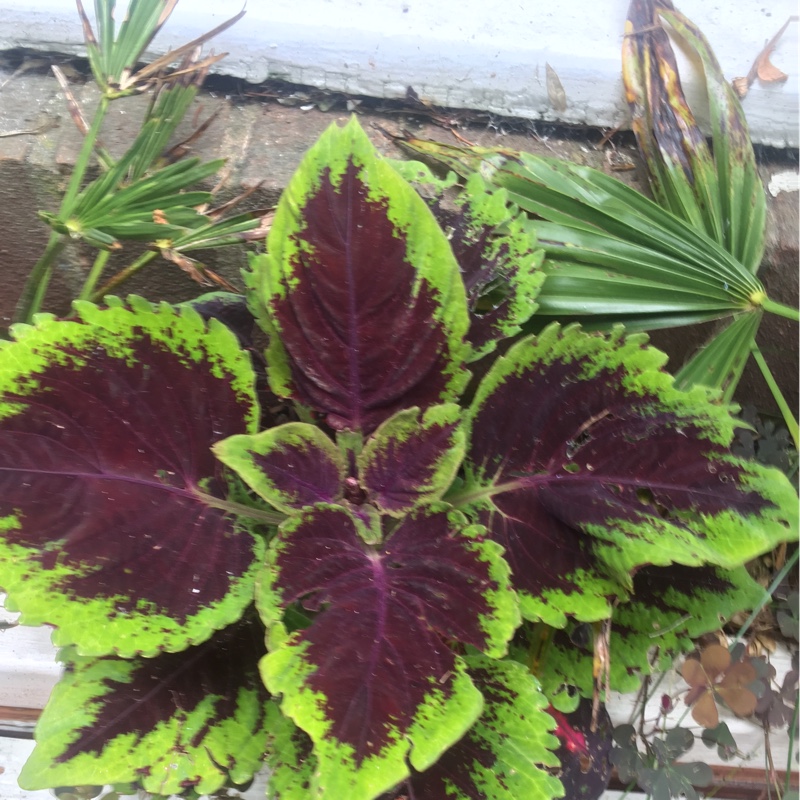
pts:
pixel 170 723
pixel 291 466
pixel 412 458
pixel 360 290
pixel 400 604
pixel 231 310
pixel 498 260
pixel 592 464
pixel 105 461
pixel 506 752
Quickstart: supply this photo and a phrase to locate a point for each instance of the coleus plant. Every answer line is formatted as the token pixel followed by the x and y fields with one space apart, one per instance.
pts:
pixel 351 594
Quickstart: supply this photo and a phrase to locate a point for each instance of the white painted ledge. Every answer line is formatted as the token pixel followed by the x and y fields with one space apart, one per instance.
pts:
pixel 457 53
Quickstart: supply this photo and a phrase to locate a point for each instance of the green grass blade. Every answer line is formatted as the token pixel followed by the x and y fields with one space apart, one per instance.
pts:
pixel 593 198
pixel 786 411
pixel 155 188
pixel 720 363
pixel 101 187
pixel 140 25
pixel 104 14
pixel 629 259
pixel 572 290
pixel 218 234
pixel 164 117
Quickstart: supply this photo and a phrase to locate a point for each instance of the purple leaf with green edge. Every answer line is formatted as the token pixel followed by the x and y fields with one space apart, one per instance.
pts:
pixel 359 291
pixel 412 458
pixel 114 415
pixel 497 255
pixel 499 262
pixel 586 461
pixel 391 691
pixel 585 769
pixel 290 758
pixel 668 609
pixel 566 667
pixel 230 309
pixel 178 721
pixel 291 466
pixel 507 751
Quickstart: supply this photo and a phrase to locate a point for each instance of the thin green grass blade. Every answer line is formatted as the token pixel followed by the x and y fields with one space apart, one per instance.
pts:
pixel 720 363
pixel 634 261
pixel 632 322
pixel 789 418
pixel 156 188
pixel 218 234
pixel 104 14
pixel 593 198
pixel 164 117
pixel 577 289
pixel 140 25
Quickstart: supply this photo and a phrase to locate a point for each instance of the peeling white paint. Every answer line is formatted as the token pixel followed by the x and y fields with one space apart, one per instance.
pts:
pixel 784 182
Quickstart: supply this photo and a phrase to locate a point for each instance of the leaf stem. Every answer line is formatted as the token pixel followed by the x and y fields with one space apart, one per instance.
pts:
pixel 82 162
pixel 781 310
pixel 472 494
pixel 768 592
pixel 240 509
pixel 94 274
pixel 792 731
pixel 36 286
pixel 786 411
pixel 123 275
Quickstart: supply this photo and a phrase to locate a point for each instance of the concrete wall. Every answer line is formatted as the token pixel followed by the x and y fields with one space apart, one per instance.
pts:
pixel 458 53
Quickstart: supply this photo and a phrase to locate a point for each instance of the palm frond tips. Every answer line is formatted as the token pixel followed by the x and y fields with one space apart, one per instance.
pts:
pixel 115 51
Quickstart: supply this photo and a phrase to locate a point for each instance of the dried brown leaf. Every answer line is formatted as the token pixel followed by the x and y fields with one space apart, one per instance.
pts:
pixel 763 68
pixel 693 673
pixel 72 104
pixel 715 660
pixel 187 265
pixel 220 281
pixel 704 711
pixel 88 33
pixel 179 150
pixel 741 86
pixel 739 675
pixel 218 212
pixel 555 89
pixel 741 701
pixel 152 69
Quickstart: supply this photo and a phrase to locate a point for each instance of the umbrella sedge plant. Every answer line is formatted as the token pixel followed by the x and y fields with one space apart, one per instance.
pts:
pixel 148 194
